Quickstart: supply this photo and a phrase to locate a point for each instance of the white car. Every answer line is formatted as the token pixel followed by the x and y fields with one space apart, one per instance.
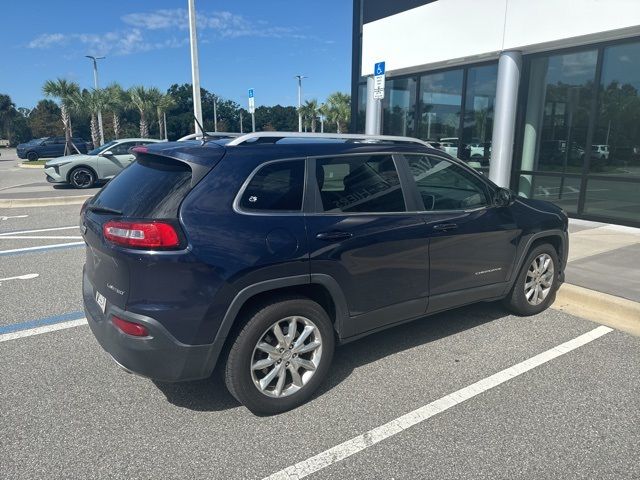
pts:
pixel 100 164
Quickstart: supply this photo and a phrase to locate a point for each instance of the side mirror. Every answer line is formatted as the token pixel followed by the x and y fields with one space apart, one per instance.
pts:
pixel 108 153
pixel 503 197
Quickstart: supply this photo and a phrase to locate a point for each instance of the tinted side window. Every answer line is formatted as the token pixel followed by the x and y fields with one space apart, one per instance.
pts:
pixel 359 184
pixel 276 187
pixel 122 148
pixel 444 185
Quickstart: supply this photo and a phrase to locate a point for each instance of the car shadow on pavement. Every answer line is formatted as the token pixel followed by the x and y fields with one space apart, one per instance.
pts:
pixel 212 395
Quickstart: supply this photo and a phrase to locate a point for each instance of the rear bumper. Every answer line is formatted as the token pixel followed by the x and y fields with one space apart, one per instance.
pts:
pixel 158 356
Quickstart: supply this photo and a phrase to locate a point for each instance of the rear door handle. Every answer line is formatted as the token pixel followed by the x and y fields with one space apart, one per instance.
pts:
pixel 445 227
pixel 333 236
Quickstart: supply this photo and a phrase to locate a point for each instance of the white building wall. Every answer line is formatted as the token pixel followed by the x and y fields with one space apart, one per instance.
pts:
pixel 452 32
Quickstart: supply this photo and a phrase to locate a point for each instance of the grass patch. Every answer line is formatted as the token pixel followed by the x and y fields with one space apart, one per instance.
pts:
pixel 34 162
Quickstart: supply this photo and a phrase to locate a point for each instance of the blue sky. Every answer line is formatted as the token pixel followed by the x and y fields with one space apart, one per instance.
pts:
pixel 260 44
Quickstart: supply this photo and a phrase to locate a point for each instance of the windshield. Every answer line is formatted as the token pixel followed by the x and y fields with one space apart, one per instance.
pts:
pixel 104 147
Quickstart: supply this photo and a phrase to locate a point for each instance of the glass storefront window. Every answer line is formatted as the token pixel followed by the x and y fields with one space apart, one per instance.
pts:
pixel 440 103
pixel 399 107
pixel 362 108
pixel 616 142
pixel 613 199
pixel 478 115
pixel 563 191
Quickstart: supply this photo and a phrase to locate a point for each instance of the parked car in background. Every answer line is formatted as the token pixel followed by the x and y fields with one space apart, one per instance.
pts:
pixel 100 164
pixel 48 147
pixel 263 252
pixel 4 143
pixel 600 151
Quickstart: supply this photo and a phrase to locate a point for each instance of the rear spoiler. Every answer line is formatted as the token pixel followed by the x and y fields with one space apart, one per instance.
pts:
pixel 199 158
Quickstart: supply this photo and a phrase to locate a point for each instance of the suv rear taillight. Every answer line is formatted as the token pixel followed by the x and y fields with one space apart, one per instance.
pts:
pixel 130 328
pixel 141 234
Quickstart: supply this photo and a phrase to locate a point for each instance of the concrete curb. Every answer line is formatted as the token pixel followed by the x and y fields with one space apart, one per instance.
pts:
pixel 599 307
pixel 22 165
pixel 43 202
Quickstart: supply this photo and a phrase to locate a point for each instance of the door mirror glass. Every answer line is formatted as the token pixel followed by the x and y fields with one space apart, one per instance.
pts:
pixel 503 197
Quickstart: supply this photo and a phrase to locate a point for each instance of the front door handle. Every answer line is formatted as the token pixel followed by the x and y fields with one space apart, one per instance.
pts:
pixel 445 227
pixel 333 236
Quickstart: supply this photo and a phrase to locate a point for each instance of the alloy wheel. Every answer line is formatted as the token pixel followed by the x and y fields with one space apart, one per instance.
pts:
pixel 286 356
pixel 539 279
pixel 81 178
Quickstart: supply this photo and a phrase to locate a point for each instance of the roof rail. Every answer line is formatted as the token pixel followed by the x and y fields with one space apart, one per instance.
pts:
pixel 193 136
pixel 275 136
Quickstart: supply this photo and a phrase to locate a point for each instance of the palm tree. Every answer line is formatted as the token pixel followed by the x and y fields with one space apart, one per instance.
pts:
pixel 338 109
pixel 117 101
pixel 91 101
pixel 166 103
pixel 310 112
pixel 145 100
pixel 63 90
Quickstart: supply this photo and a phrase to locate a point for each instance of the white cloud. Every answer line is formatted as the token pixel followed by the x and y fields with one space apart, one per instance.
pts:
pixel 148 31
pixel 223 23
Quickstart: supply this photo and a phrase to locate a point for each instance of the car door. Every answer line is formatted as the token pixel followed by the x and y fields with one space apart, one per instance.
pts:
pixel 118 158
pixel 363 236
pixel 472 243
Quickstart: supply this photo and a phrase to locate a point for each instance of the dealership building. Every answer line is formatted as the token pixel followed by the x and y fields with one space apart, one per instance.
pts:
pixel 543 96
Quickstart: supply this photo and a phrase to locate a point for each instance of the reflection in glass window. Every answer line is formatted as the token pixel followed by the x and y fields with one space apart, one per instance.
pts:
pixel 616 143
pixel 561 90
pixel 362 108
pixel 440 102
pixel 611 199
pixel 478 115
pixel 399 107
pixel 359 184
pixel 563 191
pixel 444 185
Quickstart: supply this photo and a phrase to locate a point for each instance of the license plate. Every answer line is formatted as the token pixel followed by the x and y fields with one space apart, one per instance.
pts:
pixel 102 302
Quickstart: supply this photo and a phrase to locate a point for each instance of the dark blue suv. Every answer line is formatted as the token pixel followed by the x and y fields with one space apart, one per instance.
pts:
pixel 261 253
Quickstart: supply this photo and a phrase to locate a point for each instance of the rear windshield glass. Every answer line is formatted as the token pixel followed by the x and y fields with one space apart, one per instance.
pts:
pixel 148 188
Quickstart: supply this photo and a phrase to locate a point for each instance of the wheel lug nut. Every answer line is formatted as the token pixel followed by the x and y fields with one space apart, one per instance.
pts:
pixel 295 355
pixel 281 350
pixel 291 347
pixel 286 364
pixel 279 362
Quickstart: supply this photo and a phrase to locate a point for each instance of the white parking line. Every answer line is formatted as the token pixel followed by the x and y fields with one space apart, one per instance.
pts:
pixel 37 231
pixel 28 276
pixel 45 329
pixel 42 247
pixel 4 217
pixel 372 437
pixel 49 237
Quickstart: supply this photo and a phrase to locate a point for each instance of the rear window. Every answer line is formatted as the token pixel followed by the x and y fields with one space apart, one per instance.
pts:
pixel 149 188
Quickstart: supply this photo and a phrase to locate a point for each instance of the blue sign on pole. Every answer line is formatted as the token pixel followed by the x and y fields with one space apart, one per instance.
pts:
pixel 378 69
pixel 251 93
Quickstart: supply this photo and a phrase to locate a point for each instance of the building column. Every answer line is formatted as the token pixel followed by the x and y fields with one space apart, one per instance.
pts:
pixel 504 119
pixel 373 119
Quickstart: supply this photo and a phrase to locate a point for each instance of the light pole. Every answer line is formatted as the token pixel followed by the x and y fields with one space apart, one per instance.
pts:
pixel 300 77
pixel 95 85
pixel 195 69
pixel 215 113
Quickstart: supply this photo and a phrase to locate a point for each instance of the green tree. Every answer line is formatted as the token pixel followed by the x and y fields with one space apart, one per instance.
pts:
pixel 310 112
pixel 145 100
pixel 338 108
pixel 117 100
pixel 63 90
pixel 8 113
pixel 91 102
pixel 44 120
pixel 165 104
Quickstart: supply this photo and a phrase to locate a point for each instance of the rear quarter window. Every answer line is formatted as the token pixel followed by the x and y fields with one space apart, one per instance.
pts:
pixel 275 187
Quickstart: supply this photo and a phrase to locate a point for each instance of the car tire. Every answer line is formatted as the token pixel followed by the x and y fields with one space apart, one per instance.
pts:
pixel 278 355
pixel 82 177
pixel 32 156
pixel 537 283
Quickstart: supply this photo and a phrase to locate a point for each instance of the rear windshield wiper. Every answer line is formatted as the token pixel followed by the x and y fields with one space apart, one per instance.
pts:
pixel 99 209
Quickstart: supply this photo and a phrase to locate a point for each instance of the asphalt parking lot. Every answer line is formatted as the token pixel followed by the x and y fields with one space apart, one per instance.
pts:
pixel 405 403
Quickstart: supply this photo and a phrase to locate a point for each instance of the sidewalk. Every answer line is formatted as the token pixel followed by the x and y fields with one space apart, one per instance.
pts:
pixel 602 280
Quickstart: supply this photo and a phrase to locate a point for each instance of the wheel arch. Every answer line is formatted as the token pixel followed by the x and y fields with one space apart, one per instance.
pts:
pixel 557 238
pixel 320 288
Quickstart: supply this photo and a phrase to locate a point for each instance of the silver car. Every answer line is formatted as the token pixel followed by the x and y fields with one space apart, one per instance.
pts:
pixel 100 164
